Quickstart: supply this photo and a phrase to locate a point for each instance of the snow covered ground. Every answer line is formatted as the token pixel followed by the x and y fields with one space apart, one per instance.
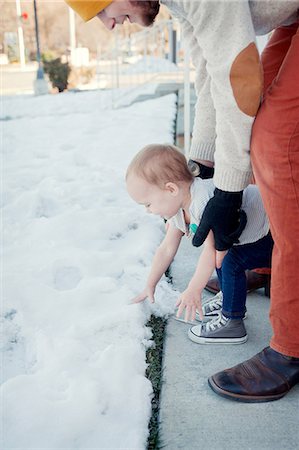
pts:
pixel 76 250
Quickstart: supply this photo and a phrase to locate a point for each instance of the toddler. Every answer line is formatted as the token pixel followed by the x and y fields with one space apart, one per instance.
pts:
pixel 159 179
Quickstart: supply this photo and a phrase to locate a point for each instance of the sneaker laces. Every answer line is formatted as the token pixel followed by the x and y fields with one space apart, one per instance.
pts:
pixel 217 323
pixel 215 304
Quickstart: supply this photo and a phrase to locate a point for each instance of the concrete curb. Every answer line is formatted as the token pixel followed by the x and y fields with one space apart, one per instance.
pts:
pixel 192 416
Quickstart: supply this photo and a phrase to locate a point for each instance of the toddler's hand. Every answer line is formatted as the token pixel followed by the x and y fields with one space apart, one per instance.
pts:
pixel 191 301
pixel 148 292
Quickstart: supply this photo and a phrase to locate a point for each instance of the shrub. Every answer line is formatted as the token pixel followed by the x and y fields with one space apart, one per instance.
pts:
pixel 58 73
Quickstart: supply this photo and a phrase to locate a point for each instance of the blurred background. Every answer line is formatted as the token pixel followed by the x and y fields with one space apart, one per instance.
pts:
pixel 45 39
pixel 46 48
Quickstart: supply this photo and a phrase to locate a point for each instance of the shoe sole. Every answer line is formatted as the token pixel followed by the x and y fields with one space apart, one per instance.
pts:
pixel 213 291
pixel 196 321
pixel 187 322
pixel 243 398
pixel 212 316
pixel 205 340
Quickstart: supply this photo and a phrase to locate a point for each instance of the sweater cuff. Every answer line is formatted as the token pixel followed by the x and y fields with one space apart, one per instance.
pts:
pixel 202 150
pixel 231 180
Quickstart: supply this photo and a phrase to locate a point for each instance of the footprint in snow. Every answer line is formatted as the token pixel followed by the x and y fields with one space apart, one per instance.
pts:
pixel 66 277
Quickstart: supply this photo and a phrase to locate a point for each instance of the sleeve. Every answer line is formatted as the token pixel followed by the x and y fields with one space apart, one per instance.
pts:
pixel 225 37
pixel 204 131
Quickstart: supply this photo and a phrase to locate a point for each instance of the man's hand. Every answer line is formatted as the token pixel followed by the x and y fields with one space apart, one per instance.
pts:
pixel 203 171
pixel 148 292
pixel 222 215
pixel 191 301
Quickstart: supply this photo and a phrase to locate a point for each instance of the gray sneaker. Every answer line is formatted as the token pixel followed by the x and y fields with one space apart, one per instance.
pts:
pixel 212 307
pixel 220 330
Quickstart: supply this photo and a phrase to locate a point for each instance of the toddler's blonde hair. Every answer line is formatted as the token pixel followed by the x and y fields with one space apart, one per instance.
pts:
pixel 159 164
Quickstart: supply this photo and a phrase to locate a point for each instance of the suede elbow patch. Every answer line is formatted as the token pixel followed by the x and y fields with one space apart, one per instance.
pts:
pixel 246 78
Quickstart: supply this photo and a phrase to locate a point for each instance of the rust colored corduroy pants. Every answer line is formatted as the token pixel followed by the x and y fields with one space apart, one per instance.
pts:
pixel 275 161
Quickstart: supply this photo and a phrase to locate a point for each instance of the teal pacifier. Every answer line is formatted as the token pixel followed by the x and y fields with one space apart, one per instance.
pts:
pixel 193 227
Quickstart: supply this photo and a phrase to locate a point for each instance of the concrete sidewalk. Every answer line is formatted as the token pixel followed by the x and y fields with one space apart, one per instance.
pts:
pixel 192 416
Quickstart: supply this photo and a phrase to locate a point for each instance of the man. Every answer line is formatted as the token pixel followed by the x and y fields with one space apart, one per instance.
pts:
pixel 229 85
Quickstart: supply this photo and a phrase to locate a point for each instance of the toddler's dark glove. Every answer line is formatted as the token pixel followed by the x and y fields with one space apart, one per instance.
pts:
pixel 224 217
pixel 199 170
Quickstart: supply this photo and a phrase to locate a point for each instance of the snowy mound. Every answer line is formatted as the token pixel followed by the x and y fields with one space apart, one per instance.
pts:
pixel 77 249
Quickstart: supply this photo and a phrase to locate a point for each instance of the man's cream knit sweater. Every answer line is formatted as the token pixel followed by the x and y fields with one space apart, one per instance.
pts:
pixel 221 37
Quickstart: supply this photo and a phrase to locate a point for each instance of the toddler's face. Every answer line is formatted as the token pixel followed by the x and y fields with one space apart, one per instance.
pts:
pixel 163 202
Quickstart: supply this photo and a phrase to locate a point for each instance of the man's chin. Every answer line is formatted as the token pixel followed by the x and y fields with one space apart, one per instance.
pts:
pixel 148 22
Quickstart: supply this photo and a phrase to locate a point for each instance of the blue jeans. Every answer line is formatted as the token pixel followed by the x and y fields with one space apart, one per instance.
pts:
pixel 232 277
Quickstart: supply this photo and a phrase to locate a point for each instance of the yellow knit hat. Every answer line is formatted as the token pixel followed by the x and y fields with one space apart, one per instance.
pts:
pixel 88 9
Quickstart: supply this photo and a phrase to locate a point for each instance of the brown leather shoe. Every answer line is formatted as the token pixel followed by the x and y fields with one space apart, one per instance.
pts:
pixel 254 281
pixel 267 376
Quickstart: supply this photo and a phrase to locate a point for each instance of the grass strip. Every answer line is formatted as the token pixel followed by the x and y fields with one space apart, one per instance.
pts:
pixel 154 373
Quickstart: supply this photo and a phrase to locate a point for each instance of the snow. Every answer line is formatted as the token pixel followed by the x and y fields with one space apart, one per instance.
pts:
pixel 150 64
pixel 76 250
